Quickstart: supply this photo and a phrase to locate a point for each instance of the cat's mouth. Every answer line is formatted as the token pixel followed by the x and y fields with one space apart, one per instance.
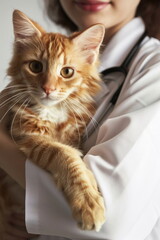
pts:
pixel 50 100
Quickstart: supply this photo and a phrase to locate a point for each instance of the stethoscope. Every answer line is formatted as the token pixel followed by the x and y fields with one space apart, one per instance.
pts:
pixel 123 69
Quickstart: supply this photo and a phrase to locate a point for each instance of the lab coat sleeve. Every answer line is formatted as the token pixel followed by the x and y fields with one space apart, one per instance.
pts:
pixel 126 164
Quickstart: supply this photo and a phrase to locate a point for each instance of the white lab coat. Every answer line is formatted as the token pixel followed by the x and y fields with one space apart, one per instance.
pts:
pixel 123 153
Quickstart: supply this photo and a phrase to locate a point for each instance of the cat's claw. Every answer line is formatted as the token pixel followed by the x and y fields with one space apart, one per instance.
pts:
pixel 89 212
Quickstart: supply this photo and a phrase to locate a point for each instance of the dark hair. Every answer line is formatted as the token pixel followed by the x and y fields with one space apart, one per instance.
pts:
pixel 149 10
pixel 56 13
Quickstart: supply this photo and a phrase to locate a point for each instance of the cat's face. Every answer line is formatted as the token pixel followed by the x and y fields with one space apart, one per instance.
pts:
pixel 52 73
pixel 52 66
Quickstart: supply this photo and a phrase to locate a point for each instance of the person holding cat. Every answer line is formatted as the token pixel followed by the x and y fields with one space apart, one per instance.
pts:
pixel 123 151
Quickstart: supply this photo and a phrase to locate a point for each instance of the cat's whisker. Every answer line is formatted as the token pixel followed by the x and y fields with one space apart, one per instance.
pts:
pixel 82 119
pixel 31 88
pixel 26 105
pixel 78 106
pixel 78 100
pixel 84 122
pixel 86 110
pixel 19 87
pixel 11 128
pixel 80 116
pixel 11 93
pixel 87 99
pixel 79 136
pixel 9 99
pixel 12 98
pixel 12 89
pixel 14 86
pixel 19 99
pixel 83 108
pixel 35 93
pixel 16 91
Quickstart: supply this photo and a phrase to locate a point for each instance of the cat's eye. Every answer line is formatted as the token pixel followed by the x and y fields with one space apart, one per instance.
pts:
pixel 36 66
pixel 67 72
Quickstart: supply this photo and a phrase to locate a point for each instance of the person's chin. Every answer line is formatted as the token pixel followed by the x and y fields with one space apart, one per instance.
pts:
pixel 89 20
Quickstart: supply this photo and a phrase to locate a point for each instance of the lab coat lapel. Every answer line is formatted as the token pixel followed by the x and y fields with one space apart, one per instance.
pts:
pixel 116 52
pixel 121 44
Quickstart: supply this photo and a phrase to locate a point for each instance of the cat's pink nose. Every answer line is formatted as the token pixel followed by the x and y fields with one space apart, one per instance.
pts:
pixel 48 90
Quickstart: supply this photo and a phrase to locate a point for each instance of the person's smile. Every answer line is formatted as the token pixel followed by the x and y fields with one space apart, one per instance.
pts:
pixel 92 5
pixel 113 14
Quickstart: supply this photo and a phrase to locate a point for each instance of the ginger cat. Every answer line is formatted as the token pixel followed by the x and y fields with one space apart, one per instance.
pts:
pixel 53 81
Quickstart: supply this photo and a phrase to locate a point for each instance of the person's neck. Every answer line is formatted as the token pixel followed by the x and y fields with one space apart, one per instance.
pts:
pixel 110 32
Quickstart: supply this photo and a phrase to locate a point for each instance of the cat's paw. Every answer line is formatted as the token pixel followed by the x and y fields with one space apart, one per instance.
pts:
pixel 89 211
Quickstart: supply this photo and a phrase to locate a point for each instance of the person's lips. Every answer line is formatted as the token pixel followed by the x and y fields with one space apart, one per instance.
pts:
pixel 92 5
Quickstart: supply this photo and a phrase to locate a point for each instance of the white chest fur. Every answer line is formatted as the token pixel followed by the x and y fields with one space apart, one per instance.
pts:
pixel 52 114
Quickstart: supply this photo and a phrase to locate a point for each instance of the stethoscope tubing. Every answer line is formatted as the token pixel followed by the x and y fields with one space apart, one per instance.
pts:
pixel 123 68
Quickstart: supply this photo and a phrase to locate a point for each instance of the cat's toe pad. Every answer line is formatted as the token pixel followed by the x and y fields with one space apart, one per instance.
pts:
pixel 89 212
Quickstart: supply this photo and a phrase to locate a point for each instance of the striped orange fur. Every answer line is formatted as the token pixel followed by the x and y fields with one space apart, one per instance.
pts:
pixel 54 79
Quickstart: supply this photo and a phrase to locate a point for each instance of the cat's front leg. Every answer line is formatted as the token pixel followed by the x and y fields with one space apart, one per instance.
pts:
pixel 79 187
pixel 88 205
pixel 71 176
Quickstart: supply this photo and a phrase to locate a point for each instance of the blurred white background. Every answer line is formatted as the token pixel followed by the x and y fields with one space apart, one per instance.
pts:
pixel 33 9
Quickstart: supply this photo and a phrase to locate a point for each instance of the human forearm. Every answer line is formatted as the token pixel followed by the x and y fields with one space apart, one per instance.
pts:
pixel 12 161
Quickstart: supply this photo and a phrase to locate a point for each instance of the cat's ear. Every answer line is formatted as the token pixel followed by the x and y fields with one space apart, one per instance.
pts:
pixel 24 27
pixel 89 41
